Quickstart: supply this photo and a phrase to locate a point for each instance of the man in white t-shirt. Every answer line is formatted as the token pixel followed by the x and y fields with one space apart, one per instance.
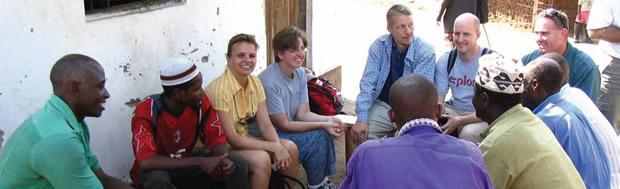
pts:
pixel 460 79
pixel 604 24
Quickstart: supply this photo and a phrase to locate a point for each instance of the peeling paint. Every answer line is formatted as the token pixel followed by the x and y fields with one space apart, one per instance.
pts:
pixel 205 59
pixel 133 102
pixel 126 68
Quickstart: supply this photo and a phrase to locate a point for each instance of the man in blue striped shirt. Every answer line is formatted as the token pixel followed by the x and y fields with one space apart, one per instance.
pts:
pixel 546 94
pixel 390 57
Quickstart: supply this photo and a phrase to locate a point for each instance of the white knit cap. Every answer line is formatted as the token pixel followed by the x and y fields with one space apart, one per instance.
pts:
pixel 499 74
pixel 176 71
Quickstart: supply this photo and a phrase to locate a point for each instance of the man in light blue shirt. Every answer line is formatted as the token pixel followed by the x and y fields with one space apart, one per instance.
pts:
pixel 545 93
pixel 459 77
pixel 389 58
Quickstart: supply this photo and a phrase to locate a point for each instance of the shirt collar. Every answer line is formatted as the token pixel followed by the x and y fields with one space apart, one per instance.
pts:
pixel 230 78
pixel 508 113
pixel 550 99
pixel 62 107
pixel 424 124
pixel 282 75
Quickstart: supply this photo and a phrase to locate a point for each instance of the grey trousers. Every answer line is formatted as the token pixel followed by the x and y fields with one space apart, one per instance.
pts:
pixel 379 124
pixel 194 178
pixel 609 101
pixel 470 132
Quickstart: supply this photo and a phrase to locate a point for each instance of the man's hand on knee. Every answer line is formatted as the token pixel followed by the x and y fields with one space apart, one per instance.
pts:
pixel 227 166
pixel 211 165
pixel 360 132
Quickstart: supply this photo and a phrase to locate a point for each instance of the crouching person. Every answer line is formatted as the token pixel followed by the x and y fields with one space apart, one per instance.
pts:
pixel 419 156
pixel 165 129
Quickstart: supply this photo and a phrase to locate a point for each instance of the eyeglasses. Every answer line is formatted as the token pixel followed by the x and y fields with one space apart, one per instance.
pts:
pixel 297 50
pixel 555 14
pixel 249 117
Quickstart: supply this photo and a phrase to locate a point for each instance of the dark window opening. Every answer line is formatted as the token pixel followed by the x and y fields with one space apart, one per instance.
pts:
pixel 96 6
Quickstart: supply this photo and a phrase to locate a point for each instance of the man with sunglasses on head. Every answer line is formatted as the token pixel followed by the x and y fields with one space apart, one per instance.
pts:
pixel 166 127
pixel 551 28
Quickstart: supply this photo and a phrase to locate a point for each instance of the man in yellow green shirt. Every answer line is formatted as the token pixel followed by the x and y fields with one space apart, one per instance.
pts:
pixel 519 150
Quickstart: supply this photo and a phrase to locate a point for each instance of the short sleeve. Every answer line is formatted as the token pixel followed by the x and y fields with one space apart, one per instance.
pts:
pixel 143 142
pixel 441 75
pixel 260 91
pixel 303 84
pixel 212 127
pixel 64 162
pixel 219 98
pixel 601 14
pixel 274 99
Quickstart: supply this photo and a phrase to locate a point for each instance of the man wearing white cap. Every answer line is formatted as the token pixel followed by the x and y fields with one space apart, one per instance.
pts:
pixel 519 150
pixel 165 129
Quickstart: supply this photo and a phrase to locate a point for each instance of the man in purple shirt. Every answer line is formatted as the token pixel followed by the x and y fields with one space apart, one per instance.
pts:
pixel 419 156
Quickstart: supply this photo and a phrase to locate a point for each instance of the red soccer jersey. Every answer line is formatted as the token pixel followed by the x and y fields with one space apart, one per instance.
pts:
pixel 175 136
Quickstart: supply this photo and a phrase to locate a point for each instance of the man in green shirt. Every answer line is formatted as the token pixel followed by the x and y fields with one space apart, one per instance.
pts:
pixel 51 148
pixel 519 150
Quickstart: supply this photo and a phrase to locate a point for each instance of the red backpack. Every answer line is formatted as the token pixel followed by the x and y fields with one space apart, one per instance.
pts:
pixel 323 97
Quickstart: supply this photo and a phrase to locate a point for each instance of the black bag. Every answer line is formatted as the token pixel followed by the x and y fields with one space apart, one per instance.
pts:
pixel 278 181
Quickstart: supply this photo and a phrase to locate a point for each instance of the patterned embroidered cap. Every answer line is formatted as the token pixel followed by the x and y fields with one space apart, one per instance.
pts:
pixel 176 71
pixel 499 74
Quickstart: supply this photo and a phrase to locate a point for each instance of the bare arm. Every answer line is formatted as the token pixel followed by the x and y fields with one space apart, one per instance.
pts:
pixel 264 124
pixel 610 33
pixel 242 142
pixel 306 123
pixel 441 99
pixel 458 121
pixel 309 121
pixel 110 182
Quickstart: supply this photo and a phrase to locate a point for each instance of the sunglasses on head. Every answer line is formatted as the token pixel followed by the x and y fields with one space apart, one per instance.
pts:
pixel 555 14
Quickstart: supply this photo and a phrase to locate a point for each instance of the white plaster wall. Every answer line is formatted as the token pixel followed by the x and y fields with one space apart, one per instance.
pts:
pixel 344 29
pixel 35 33
pixel 342 37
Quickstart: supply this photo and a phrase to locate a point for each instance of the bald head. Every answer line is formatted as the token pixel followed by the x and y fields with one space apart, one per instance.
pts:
pixel 412 97
pixel 72 67
pixel 548 73
pixel 562 62
pixel 469 19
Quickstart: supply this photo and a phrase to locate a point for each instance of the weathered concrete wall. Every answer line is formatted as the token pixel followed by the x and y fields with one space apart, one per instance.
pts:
pixel 36 33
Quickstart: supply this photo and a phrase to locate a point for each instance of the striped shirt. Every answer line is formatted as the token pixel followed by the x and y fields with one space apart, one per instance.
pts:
pixel 601 127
